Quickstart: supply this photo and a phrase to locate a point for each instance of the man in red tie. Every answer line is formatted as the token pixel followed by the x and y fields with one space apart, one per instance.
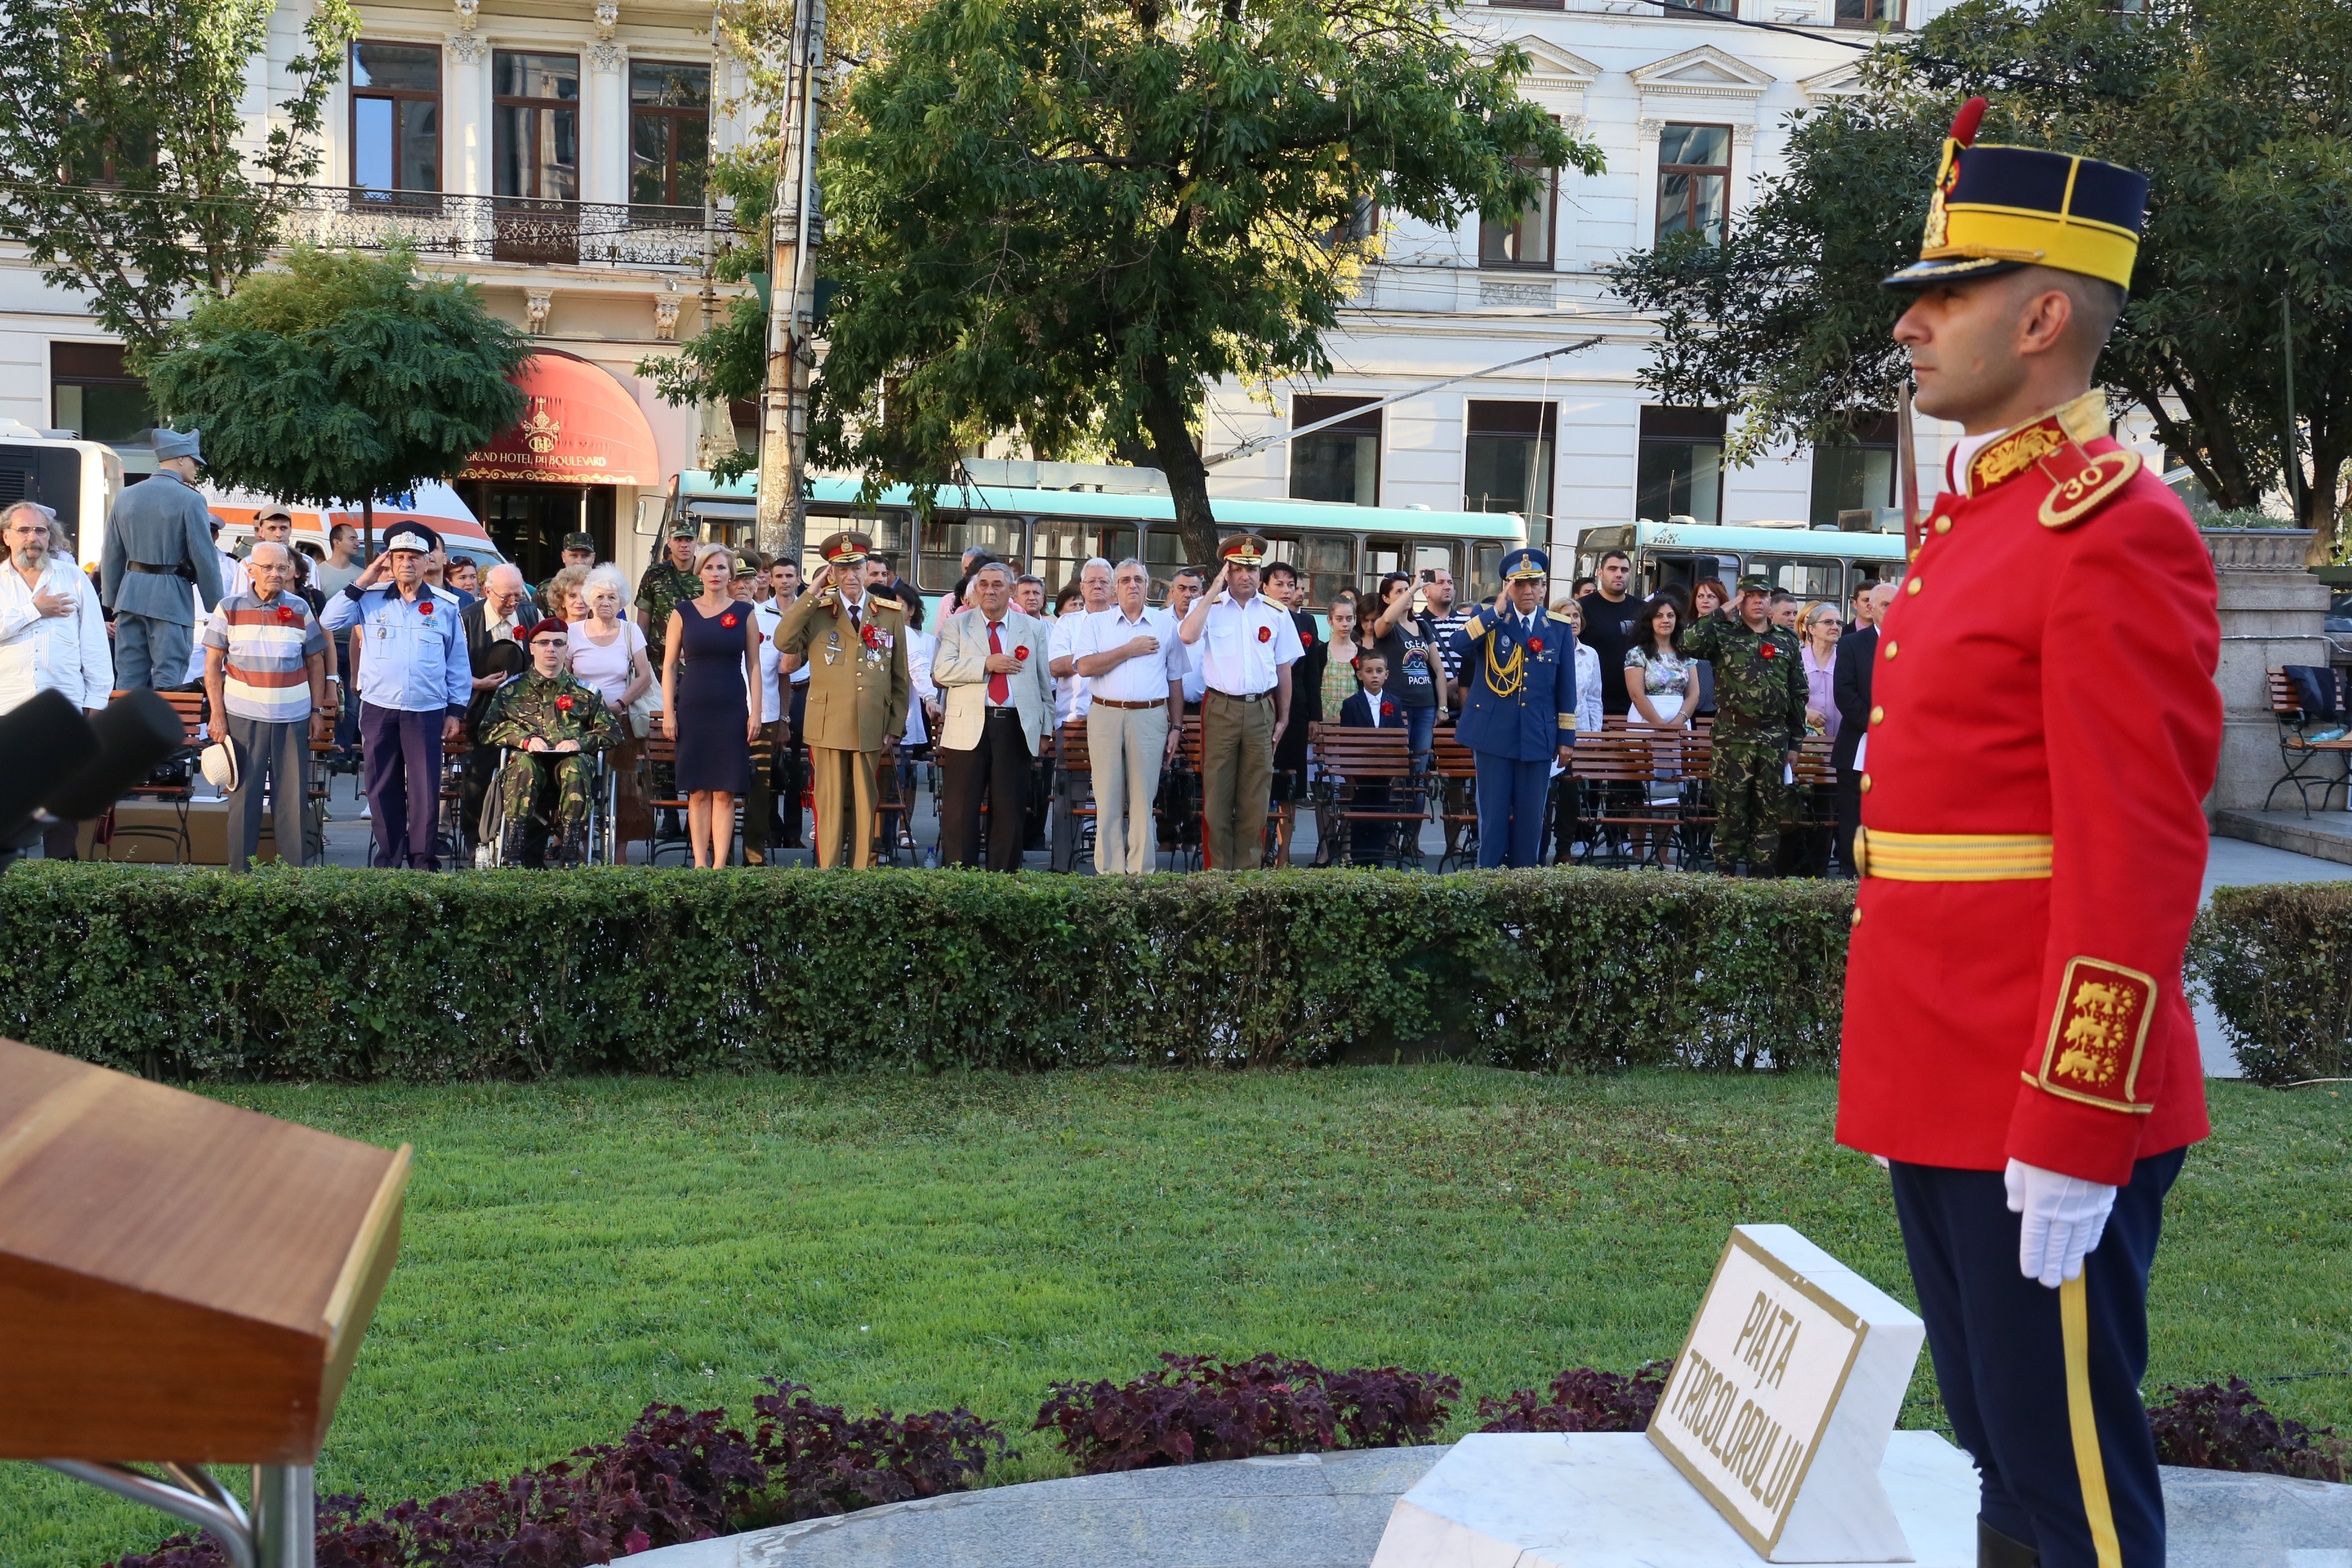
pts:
pixel 991 664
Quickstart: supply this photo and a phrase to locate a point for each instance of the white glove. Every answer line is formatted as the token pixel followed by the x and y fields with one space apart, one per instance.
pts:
pixel 2064 1217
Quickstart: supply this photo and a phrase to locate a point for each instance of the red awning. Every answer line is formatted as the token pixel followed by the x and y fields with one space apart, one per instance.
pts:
pixel 579 427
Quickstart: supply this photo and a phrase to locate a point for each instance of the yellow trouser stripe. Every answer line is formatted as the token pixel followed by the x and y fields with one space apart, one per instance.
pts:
pixel 1952 856
pixel 2074 1326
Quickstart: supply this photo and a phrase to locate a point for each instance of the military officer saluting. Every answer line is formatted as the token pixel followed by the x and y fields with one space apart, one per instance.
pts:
pixel 1518 712
pixel 554 726
pixel 159 540
pixel 855 645
pixel 2016 1042
pixel 1759 720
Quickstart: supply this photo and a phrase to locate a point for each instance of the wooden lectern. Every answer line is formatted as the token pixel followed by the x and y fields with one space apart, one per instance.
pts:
pixel 184 1282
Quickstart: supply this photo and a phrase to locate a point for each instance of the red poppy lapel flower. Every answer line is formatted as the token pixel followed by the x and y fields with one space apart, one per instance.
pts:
pixel 522 634
pixel 1769 652
pixel 1021 652
pixel 1388 709
pixel 872 637
pixel 730 619
pixel 426 607
pixel 285 615
pixel 1265 634
pixel 563 704
pixel 1536 644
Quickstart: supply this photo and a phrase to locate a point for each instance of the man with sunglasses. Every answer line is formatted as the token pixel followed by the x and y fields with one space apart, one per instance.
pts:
pixel 552 726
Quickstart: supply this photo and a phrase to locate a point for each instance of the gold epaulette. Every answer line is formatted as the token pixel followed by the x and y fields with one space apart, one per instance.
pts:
pixel 2054 445
pixel 1556 615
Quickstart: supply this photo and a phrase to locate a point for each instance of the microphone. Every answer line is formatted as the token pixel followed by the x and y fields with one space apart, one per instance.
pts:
pixel 134 735
pixel 50 739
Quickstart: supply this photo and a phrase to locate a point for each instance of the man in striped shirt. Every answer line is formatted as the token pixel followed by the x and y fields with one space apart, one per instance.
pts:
pixel 266 679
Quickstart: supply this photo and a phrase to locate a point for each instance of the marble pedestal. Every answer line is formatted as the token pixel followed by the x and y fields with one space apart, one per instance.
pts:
pixel 1612 1500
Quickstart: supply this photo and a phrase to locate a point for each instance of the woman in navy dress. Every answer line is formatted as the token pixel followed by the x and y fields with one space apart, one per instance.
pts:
pixel 708 706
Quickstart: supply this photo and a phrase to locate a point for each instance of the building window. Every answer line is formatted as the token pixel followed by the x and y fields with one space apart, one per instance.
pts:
pixel 1363 225
pixel 1855 474
pixel 535 137
pixel 669 133
pixel 1706 8
pixel 1341 462
pixel 1531 5
pixel 1506 456
pixel 94 395
pixel 1679 473
pixel 1872 14
pixel 1526 241
pixel 1695 180
pixel 395 117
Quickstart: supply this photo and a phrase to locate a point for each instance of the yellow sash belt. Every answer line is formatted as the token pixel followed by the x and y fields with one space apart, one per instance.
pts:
pixel 1951 857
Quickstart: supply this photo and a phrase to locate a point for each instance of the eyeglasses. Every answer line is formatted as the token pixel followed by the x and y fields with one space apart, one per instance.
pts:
pixel 559 644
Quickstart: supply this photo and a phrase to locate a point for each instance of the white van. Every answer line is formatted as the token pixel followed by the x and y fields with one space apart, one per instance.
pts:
pixel 74 479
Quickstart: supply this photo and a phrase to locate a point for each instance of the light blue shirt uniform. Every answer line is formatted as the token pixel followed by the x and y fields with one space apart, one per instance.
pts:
pixel 414 658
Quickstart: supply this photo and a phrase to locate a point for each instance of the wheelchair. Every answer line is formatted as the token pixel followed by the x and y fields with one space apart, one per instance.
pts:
pixel 598 843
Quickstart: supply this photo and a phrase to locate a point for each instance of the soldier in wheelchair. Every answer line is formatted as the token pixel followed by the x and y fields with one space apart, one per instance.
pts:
pixel 552 726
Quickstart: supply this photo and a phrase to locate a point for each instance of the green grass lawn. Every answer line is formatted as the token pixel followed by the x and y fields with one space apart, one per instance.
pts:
pixel 576 1249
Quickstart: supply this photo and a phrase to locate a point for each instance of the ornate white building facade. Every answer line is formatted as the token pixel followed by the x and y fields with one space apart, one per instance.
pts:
pixel 1691 111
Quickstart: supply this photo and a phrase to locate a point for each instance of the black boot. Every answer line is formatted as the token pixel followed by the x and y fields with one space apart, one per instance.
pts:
pixel 1995 1550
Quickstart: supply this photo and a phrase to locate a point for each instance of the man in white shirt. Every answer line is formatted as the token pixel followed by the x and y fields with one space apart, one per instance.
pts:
pixel 1183 589
pixel 52 633
pixel 1071 698
pixel 1135 716
pixel 1247 647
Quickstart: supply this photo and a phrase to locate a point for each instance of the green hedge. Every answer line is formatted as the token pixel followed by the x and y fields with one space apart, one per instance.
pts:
pixel 2277 963
pixel 340 975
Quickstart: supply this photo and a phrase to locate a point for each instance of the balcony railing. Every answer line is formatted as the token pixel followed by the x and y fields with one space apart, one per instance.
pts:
pixel 528 231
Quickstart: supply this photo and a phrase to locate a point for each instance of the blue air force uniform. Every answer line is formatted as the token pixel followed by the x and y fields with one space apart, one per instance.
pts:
pixel 1519 674
pixel 414 675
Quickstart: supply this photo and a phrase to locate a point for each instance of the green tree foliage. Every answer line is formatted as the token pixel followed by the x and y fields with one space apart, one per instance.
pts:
pixel 2241 115
pixel 342 375
pixel 1065 218
pixel 126 168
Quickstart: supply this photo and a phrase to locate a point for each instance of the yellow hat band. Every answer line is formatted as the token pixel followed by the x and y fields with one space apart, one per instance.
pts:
pixel 2006 234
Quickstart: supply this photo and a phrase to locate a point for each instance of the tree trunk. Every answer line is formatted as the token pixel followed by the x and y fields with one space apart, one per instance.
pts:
pixel 1164 418
pixel 367 530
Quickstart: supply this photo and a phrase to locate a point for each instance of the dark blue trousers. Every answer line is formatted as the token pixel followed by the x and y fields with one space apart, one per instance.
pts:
pixel 1511 796
pixel 2042 1385
pixel 402 779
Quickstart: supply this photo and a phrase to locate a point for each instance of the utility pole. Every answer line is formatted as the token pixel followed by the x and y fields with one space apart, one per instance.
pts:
pixel 716 437
pixel 791 300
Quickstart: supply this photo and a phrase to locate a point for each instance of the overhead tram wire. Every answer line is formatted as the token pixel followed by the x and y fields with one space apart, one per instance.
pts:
pixel 1819 35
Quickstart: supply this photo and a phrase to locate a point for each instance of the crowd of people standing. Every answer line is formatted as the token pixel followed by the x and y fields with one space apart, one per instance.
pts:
pixel 763 691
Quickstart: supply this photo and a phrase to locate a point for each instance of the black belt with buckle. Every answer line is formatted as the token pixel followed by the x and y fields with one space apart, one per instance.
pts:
pixel 182 570
pixel 1237 697
pixel 1013 709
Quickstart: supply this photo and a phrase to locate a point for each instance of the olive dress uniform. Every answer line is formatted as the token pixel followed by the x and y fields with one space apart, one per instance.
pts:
pixel 858 692
pixel 1519 709
pixel 2044 726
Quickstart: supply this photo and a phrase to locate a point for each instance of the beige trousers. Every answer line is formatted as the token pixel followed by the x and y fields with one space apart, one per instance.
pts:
pixel 1126 745
pixel 846 801
pixel 1237 779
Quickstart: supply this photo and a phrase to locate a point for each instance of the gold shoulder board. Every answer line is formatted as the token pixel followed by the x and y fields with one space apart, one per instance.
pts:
pixel 1556 615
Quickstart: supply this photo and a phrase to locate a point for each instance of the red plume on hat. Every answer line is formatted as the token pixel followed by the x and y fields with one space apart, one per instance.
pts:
pixel 1965 123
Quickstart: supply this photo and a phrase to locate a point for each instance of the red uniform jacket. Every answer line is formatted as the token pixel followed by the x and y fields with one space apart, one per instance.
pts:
pixel 2047 670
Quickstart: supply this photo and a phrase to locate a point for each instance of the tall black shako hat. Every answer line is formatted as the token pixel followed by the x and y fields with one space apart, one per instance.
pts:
pixel 1997 208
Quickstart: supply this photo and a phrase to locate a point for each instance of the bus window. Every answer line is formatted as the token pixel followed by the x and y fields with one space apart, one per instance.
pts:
pixel 1065 543
pixel 889 527
pixel 1164 557
pixel 945 539
pixel 1687 572
pixel 1486 576
pixel 1323 562
pixel 1414 556
pixel 1807 579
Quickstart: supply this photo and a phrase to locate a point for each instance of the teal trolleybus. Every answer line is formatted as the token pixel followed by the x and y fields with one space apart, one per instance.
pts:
pixel 1054 531
pixel 1811 563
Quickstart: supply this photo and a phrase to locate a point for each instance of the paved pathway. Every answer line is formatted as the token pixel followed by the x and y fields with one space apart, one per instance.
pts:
pixel 1327 1511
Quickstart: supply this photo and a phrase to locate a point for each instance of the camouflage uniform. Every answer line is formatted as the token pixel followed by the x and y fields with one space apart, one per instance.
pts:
pixel 554 709
pixel 658 591
pixel 1759 701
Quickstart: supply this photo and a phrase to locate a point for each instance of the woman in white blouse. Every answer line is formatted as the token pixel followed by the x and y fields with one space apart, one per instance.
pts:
pixel 607 652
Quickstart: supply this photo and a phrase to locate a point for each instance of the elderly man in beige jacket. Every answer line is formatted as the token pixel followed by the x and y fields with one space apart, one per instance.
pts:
pixel 992 665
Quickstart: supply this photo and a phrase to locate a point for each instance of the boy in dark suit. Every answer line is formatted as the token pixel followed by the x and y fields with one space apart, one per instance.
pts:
pixel 1370 710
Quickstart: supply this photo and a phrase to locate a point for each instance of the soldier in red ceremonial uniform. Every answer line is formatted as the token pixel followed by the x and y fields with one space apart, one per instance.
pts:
pixel 2016 1043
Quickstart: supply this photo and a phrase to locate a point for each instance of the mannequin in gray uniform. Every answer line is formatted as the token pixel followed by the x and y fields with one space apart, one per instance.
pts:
pixel 158 540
